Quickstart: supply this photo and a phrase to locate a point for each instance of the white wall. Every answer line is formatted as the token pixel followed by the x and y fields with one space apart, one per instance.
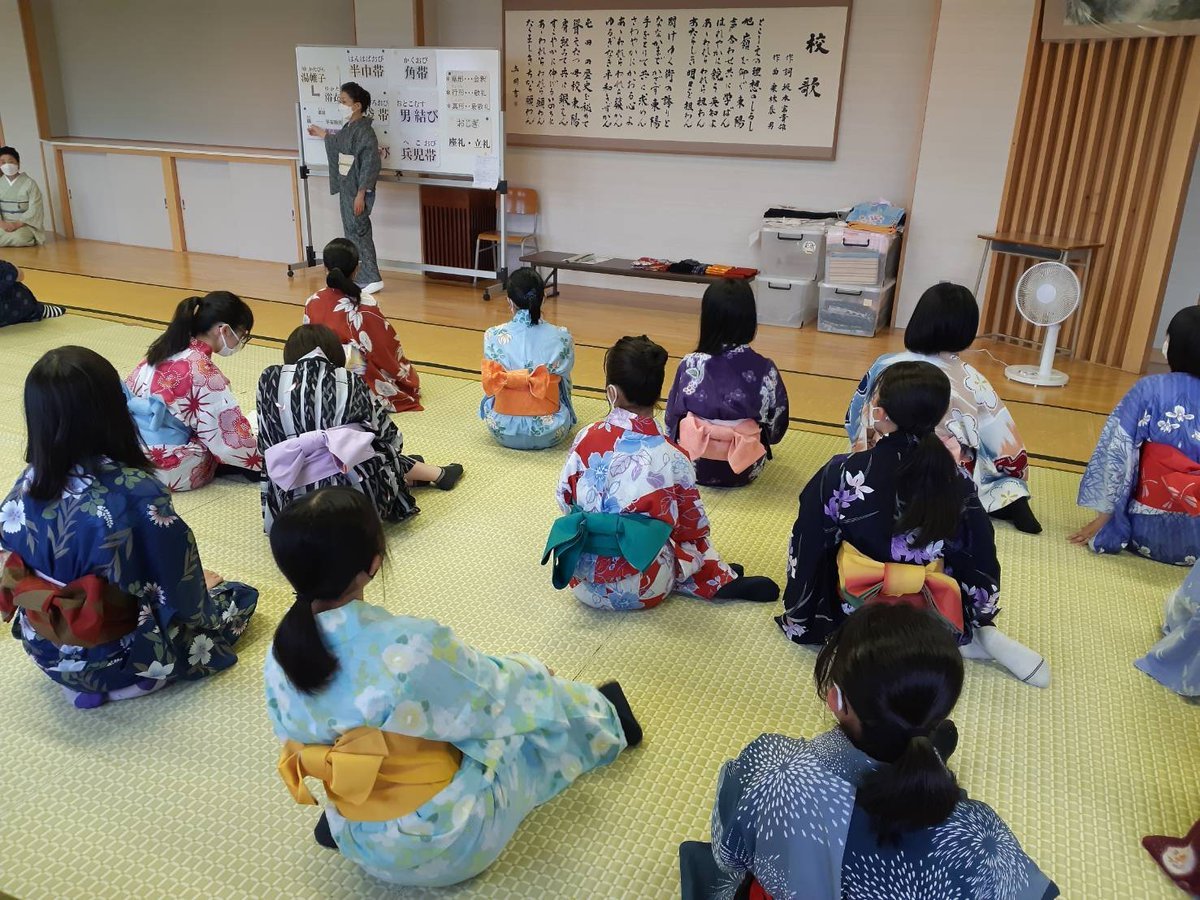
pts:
pixel 634 204
pixel 222 72
pixel 978 61
pixel 17 111
pixel 1183 284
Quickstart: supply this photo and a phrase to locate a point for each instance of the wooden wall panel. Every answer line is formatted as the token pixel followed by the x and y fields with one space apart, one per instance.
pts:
pixel 1101 150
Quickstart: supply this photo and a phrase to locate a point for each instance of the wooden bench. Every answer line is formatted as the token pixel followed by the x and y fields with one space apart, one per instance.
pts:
pixel 553 260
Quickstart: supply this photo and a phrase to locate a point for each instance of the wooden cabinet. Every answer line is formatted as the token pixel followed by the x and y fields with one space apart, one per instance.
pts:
pixel 238 209
pixel 117 197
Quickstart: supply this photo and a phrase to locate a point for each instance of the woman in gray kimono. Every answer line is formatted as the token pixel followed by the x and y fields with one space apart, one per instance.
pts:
pixel 353 169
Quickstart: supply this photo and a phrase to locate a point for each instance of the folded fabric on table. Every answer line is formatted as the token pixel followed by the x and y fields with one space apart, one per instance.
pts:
pixel 741 272
pixel 683 267
pixel 717 270
pixel 651 264
pixel 790 212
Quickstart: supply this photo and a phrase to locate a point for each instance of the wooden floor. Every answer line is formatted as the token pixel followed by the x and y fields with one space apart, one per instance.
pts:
pixel 440 324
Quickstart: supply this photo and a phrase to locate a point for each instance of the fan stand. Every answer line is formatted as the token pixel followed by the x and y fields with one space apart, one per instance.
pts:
pixel 1044 374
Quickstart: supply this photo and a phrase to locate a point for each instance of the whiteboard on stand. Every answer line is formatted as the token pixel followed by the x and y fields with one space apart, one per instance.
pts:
pixel 435 110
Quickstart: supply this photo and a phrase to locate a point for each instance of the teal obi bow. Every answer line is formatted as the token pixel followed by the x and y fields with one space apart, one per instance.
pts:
pixel 631 536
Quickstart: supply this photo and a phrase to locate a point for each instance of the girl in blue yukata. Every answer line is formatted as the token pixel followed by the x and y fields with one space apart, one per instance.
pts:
pixel 526 372
pixel 868 810
pixel 101 579
pixel 431 752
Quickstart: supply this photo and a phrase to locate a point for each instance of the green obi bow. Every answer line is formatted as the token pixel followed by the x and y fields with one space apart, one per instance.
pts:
pixel 631 536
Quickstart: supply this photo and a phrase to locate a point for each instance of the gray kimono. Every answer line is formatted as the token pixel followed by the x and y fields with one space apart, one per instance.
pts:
pixel 354 166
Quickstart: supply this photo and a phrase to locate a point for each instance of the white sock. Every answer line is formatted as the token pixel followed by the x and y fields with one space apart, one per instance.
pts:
pixel 973 650
pixel 1028 665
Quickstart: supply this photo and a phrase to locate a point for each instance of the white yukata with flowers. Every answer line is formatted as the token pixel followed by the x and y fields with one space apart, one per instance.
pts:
pixel 525 735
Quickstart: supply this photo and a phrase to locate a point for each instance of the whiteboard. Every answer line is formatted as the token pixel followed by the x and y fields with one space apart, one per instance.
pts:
pixel 435 109
pixel 760 79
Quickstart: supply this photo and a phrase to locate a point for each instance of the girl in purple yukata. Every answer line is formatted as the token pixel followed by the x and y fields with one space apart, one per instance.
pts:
pixel 728 405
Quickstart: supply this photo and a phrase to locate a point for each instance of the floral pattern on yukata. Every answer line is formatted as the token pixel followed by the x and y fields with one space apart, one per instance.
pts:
pixel 197 394
pixel 625 464
pixel 736 384
pixel 1161 409
pixel 520 344
pixel 119 524
pixel 525 736
pixel 362 326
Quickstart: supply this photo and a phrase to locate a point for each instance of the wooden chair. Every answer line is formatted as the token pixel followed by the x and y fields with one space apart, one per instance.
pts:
pixel 521 202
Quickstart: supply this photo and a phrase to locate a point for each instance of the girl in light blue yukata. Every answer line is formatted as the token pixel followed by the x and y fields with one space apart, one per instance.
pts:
pixel 431 752
pixel 526 372
pixel 1143 480
pixel 1175 660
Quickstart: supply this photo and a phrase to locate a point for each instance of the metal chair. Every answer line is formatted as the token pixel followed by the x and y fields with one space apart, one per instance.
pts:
pixel 521 202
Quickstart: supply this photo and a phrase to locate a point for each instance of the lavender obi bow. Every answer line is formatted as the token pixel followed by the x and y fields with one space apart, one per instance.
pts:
pixel 314 455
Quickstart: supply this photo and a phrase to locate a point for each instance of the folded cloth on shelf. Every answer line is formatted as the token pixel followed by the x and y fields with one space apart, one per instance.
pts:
pixel 741 272
pixel 683 267
pixel 879 212
pixel 790 212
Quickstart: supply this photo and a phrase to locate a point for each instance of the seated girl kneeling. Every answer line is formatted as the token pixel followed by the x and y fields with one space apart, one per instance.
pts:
pixel 526 372
pixel 467 744
pixel 319 425
pixel 101 576
pixel 634 528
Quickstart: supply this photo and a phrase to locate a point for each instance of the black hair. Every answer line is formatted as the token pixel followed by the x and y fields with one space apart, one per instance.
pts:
pixel 527 290
pixel 637 366
pixel 197 315
pixel 728 316
pixel 11 151
pixel 307 338
pixel 321 543
pixel 915 395
pixel 340 258
pixel 1183 351
pixel 358 94
pixel 900 671
pixel 945 320
pixel 76 413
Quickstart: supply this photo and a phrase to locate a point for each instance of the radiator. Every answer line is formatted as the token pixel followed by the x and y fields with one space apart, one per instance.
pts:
pixel 451 218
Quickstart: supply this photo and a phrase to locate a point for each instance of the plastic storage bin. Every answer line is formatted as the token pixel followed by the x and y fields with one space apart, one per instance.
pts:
pixel 791 302
pixel 792 251
pixel 850 309
pixel 860 257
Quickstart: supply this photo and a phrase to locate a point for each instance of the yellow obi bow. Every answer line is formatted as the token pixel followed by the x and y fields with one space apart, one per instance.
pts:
pixel 864 580
pixel 371 775
pixel 521 392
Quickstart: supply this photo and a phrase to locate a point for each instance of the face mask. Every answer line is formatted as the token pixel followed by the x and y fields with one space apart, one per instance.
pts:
pixel 611 393
pixel 345 111
pixel 839 699
pixel 10 169
pixel 228 349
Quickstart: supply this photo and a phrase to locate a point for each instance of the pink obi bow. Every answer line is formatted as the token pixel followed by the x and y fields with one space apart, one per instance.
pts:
pixel 314 455
pixel 737 443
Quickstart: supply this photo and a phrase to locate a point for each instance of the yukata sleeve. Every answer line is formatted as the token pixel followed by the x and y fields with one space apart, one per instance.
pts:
pixel 816 534
pixel 34 212
pixel 733 834
pixel 562 365
pixel 229 437
pixel 676 409
pixel 970 559
pixel 264 401
pixel 780 412
pixel 699 568
pixel 333 146
pixel 373 415
pixel 1111 472
pixel 369 161
pixel 571 470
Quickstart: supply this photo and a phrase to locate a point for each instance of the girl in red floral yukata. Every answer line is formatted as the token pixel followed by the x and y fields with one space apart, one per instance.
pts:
pixel 372 348
pixel 186 414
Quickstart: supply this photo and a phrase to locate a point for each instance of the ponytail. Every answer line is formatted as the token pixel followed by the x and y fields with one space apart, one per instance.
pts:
pixel 526 290
pixel 340 258
pixel 931 497
pixel 198 315
pixel 916 791
pixel 178 334
pixel 300 649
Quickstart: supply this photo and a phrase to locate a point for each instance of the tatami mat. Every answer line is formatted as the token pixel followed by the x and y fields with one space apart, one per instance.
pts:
pixel 176 796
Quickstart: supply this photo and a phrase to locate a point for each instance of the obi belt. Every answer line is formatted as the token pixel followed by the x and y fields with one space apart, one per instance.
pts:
pixel 1169 480
pixel 630 536
pixel 371 775
pixel 155 422
pixel 314 455
pixel 737 443
pixel 521 392
pixel 863 580
pixel 87 612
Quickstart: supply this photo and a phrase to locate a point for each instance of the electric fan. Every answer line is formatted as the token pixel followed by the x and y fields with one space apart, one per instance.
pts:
pixel 1046 295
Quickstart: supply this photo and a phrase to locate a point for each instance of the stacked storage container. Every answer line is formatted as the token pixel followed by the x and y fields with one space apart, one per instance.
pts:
pixel 860 280
pixel 791 260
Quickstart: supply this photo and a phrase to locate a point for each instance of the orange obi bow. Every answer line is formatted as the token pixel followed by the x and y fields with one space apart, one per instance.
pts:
pixel 520 392
pixel 87 612
pixel 739 444
pixel 863 580
pixel 371 775
pixel 1169 480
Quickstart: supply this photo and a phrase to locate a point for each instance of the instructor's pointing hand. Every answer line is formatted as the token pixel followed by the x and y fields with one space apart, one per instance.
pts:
pixel 317 131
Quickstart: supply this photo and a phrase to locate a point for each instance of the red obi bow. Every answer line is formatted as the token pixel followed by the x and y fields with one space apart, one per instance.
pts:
pixel 87 612
pixel 520 392
pixel 863 580
pixel 1169 480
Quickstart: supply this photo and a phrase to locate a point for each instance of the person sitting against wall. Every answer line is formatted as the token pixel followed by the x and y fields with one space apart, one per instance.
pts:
pixel 20 204
pixel 17 303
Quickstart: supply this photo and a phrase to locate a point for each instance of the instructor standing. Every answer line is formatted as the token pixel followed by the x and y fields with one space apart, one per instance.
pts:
pixel 353 168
